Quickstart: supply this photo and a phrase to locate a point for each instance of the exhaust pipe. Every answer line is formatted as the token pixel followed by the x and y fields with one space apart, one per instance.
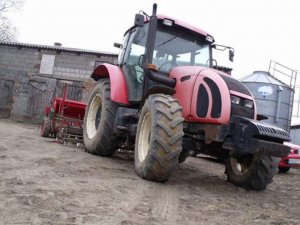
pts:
pixel 162 79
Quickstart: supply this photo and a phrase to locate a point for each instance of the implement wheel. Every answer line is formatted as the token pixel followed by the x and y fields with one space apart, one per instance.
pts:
pixel 251 171
pixel 99 118
pixel 159 138
pixel 45 127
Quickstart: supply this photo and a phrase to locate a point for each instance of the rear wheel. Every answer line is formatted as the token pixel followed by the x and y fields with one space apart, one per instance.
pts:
pixel 251 171
pixel 283 169
pixel 45 127
pixel 159 138
pixel 99 118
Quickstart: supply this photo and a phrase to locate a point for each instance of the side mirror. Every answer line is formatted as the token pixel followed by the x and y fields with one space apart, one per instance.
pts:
pixel 118 45
pixel 231 55
pixel 139 20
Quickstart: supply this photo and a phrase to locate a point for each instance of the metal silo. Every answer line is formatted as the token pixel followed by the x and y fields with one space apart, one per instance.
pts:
pixel 274 98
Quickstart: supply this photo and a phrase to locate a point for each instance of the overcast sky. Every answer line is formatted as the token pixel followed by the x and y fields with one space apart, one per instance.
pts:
pixel 259 30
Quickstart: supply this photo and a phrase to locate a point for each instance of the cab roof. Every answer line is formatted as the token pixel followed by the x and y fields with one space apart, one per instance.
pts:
pixel 184 24
pixel 179 23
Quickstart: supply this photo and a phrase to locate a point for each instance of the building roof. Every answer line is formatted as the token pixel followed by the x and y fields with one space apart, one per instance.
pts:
pixel 55 48
pixel 295 126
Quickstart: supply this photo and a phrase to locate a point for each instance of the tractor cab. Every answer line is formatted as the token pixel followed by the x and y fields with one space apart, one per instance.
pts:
pixel 154 46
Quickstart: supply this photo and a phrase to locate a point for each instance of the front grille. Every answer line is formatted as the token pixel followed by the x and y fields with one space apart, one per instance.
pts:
pixel 271 131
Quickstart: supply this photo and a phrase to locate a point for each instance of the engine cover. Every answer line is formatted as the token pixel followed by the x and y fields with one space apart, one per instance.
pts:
pixel 205 95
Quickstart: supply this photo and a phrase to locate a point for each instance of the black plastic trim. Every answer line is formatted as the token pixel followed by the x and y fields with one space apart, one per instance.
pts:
pixel 202 102
pixel 216 98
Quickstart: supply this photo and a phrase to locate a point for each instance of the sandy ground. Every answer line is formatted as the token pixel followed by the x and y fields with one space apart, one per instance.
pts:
pixel 43 182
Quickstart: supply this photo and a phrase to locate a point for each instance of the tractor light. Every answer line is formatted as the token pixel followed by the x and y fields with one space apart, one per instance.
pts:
pixel 235 100
pixel 209 39
pixel 168 22
pixel 248 103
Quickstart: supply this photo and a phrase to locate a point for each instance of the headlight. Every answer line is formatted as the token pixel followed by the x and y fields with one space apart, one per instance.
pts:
pixel 235 100
pixel 248 103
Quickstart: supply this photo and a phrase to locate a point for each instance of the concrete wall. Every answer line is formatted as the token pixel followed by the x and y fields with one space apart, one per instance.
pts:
pixel 31 75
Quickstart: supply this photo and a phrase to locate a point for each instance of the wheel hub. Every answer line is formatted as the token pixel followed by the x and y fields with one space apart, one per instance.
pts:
pixel 144 137
pixel 240 166
pixel 94 116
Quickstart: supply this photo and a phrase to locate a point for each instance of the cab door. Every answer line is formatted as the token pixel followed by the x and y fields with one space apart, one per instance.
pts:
pixel 132 56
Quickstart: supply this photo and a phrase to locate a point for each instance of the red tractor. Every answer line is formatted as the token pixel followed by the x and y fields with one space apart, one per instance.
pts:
pixel 63 119
pixel 165 100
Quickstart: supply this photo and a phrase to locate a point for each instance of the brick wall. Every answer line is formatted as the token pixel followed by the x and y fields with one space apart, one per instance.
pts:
pixel 30 75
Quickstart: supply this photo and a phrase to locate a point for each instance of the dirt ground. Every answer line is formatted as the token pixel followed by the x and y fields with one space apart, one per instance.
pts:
pixel 43 182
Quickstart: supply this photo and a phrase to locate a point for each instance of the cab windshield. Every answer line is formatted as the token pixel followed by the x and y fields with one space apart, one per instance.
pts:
pixel 178 47
pixel 174 46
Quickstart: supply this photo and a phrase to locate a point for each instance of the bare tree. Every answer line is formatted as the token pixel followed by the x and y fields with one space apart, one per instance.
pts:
pixel 8 31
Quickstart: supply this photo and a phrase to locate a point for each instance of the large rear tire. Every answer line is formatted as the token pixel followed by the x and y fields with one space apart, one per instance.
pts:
pixel 251 171
pixel 159 138
pixel 98 134
pixel 45 127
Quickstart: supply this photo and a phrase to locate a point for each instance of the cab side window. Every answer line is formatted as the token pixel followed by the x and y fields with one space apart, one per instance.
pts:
pixel 133 71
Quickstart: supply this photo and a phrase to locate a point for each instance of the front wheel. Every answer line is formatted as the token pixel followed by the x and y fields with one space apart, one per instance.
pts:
pixel 159 138
pixel 251 171
pixel 99 118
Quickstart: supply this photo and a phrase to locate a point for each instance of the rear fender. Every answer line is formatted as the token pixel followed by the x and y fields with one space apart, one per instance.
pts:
pixel 118 88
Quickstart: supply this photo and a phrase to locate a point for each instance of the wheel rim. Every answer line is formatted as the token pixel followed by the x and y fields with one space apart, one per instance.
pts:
pixel 241 166
pixel 144 137
pixel 94 116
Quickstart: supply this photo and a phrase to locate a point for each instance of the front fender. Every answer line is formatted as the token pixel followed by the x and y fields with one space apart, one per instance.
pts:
pixel 118 88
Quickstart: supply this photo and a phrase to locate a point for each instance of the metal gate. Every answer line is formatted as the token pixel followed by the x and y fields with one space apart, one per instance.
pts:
pixel 38 99
pixel 74 89
pixel 6 93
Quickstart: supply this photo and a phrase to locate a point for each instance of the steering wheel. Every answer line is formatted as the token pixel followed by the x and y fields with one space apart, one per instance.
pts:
pixel 164 66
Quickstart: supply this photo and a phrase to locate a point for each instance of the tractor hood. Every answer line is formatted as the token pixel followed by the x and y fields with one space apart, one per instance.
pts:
pixel 194 71
pixel 183 73
pixel 205 95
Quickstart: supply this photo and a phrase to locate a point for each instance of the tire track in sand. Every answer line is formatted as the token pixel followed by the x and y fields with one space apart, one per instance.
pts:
pixel 165 205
